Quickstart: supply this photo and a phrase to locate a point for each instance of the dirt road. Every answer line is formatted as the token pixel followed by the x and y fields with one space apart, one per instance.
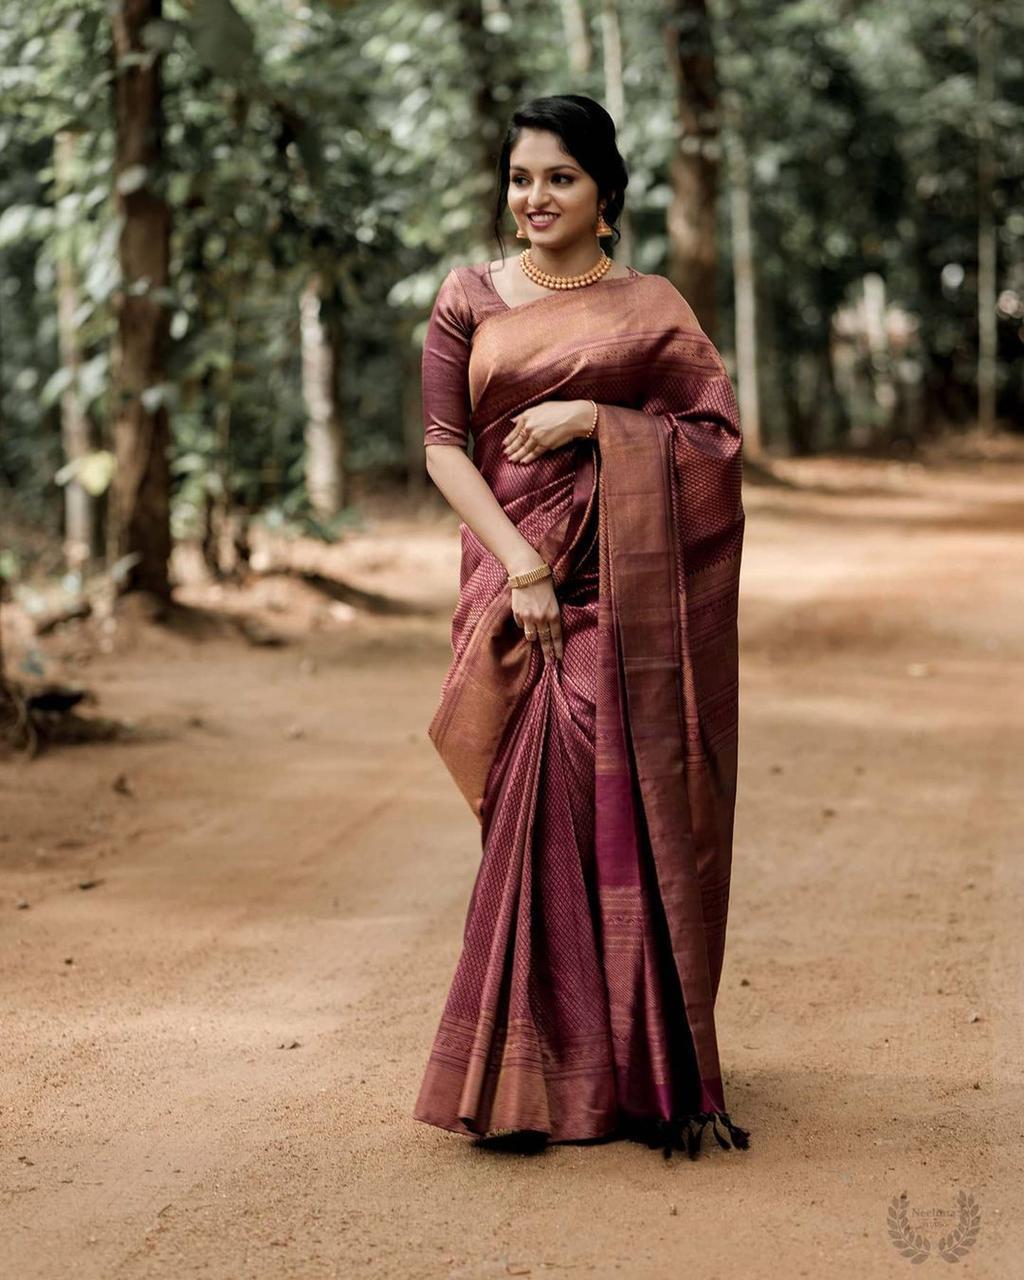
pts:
pixel 210 1056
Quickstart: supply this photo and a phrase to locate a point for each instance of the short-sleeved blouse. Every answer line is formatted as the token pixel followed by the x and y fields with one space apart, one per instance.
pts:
pixel 446 350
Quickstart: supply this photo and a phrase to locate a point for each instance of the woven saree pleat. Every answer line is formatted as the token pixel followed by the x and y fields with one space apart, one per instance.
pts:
pixel 524 1039
pixel 649 1032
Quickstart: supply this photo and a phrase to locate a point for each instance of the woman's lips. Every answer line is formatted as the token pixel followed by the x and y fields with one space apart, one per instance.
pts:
pixel 545 221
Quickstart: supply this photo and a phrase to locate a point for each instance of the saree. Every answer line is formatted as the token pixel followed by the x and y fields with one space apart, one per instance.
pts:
pixel 603 782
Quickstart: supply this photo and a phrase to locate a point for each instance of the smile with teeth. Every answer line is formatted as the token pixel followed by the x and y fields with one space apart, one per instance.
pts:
pixel 541 219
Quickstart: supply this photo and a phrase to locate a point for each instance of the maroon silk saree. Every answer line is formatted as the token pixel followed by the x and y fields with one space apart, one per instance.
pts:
pixel 582 1005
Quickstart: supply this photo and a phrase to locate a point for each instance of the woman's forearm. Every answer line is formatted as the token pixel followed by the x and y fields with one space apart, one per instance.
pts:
pixel 472 498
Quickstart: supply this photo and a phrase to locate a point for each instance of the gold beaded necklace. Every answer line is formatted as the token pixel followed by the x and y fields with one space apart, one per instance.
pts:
pixel 548 281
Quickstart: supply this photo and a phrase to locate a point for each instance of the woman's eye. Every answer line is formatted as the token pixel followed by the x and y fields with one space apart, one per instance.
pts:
pixel 519 177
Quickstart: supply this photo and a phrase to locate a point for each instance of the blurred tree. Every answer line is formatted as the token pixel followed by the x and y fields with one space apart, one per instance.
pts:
pixel 325 436
pixel 692 215
pixel 578 44
pixel 987 246
pixel 614 66
pixel 80 505
pixel 744 277
pixel 489 80
pixel 141 491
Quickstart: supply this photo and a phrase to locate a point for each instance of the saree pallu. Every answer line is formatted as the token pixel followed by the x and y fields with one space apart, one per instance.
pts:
pixel 582 1005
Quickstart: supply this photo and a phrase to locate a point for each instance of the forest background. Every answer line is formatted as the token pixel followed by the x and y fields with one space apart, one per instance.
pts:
pixel 224 222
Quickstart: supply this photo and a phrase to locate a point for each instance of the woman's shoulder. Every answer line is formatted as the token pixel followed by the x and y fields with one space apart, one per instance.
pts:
pixel 467 288
pixel 677 309
pixel 473 275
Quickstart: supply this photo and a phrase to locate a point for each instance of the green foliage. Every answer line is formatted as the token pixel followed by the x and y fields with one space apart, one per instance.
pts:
pixel 357 141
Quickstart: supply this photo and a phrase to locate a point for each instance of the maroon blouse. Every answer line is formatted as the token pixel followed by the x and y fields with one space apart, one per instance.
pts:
pixel 466 297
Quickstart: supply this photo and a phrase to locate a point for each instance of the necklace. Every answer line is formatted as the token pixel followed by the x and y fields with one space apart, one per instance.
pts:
pixel 548 281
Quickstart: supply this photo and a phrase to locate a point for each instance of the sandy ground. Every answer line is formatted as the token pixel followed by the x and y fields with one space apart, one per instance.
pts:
pixel 210 1057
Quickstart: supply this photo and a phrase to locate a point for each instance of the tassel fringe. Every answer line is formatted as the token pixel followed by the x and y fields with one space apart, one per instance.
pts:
pixel 685 1133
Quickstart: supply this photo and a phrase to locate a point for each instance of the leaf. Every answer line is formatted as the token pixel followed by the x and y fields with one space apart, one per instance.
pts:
pixel 20 220
pixel 92 377
pixel 157 396
pixel 222 39
pixel 54 387
pixel 160 34
pixel 96 471
pixel 93 471
pixel 8 564
pixel 132 179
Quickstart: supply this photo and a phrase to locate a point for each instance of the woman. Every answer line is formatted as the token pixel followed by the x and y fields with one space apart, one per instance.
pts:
pixel 589 713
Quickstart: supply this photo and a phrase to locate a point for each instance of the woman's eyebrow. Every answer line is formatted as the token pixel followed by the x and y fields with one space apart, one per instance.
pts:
pixel 549 169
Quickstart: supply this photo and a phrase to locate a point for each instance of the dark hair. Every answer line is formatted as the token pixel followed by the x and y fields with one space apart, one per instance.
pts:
pixel 587 132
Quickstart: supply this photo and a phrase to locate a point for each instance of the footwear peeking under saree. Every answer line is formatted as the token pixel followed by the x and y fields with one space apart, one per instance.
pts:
pixel 582 1005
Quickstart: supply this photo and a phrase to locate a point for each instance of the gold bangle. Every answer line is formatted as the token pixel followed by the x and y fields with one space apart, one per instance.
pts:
pixel 531 575
pixel 588 434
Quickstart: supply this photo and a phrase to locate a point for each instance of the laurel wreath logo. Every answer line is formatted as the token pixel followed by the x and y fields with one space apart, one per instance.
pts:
pixel 917 1247
pixel 912 1245
pixel 953 1246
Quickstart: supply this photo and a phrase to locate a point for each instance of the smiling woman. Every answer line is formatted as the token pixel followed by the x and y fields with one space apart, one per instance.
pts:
pixel 589 712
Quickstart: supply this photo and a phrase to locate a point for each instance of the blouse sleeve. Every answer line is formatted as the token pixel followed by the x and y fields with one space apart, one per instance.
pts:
pixel 445 367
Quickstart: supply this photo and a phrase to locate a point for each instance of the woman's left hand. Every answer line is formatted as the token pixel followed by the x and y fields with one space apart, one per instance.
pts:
pixel 546 426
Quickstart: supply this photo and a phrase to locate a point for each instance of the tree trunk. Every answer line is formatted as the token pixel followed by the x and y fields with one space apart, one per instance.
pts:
pixel 76 429
pixel 874 307
pixel 987 332
pixel 840 416
pixel 9 710
pixel 615 102
pixel 744 290
pixel 220 510
pixel 577 36
pixel 798 392
pixel 488 64
pixel 325 434
pixel 694 165
pixel 140 497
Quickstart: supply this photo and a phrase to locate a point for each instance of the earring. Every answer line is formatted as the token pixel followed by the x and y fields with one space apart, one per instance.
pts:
pixel 602 228
pixel 520 233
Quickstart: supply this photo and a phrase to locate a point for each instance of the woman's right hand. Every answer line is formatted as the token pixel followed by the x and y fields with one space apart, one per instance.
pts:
pixel 535 609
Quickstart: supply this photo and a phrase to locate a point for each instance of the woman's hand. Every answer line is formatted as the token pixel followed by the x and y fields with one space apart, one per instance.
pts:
pixel 546 426
pixel 535 609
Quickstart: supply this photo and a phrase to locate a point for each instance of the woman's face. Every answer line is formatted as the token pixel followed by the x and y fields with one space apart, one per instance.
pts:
pixel 543 178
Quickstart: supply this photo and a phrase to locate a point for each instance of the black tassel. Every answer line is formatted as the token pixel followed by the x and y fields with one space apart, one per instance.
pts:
pixel 696 1133
pixel 740 1137
pixel 667 1137
pixel 720 1138
pixel 684 1133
